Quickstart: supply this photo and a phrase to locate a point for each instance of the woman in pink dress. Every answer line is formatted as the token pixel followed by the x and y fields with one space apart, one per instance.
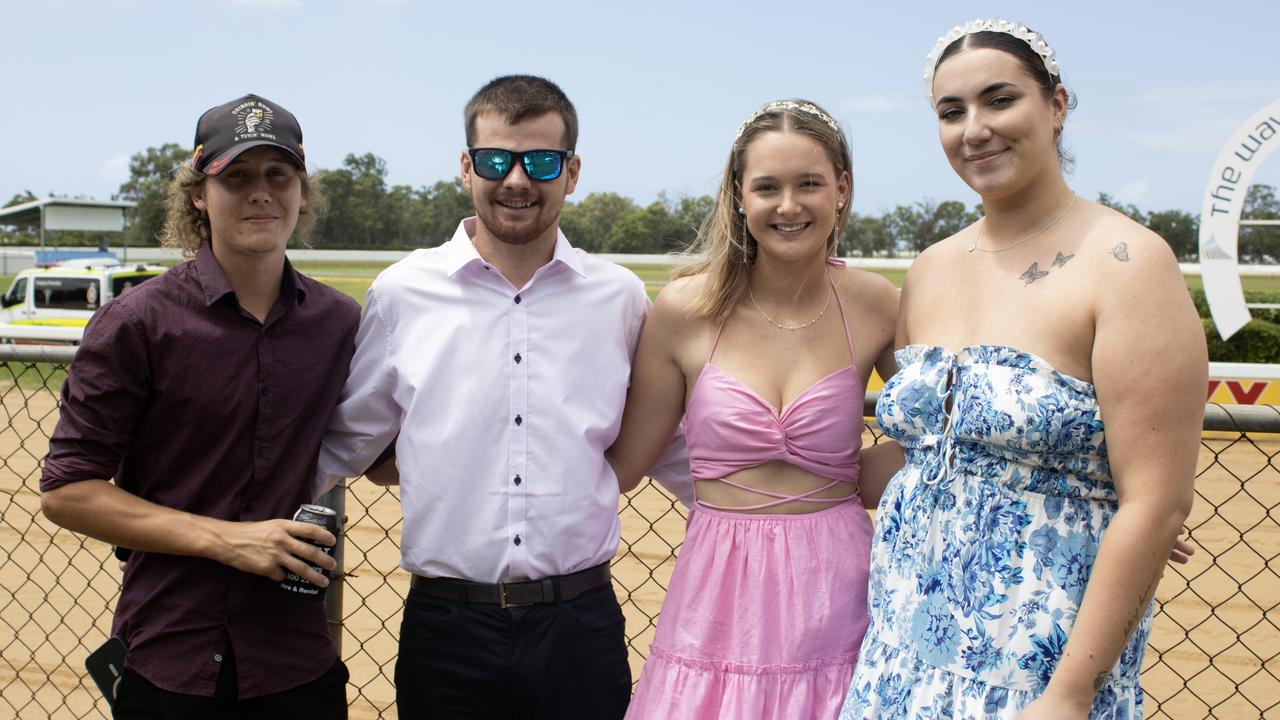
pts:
pixel 764 345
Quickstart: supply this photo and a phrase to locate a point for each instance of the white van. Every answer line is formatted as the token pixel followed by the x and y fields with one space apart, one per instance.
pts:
pixel 67 295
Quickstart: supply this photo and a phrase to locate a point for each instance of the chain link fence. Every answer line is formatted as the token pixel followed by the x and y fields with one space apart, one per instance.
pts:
pixel 1213 653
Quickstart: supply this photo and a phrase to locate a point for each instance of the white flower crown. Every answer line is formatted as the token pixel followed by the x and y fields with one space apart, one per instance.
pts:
pixel 776 105
pixel 1008 27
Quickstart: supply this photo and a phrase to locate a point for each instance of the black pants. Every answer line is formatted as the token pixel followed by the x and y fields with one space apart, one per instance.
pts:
pixel 472 660
pixel 324 698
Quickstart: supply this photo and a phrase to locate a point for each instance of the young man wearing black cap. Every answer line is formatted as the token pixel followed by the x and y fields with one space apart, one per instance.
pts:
pixel 204 393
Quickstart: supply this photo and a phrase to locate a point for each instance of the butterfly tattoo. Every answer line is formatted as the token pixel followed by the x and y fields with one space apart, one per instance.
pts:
pixel 1121 252
pixel 1033 273
pixel 1061 260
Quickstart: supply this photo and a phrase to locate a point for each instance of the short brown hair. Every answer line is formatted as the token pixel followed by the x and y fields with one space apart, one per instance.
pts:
pixel 519 97
pixel 187 226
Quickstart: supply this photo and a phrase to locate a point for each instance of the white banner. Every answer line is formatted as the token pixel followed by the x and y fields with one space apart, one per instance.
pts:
pixel 1220 219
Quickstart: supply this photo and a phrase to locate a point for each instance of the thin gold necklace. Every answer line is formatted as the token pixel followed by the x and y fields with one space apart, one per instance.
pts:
pixel 1033 235
pixel 830 291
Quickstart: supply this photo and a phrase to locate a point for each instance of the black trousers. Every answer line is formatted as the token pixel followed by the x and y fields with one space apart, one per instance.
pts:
pixel 324 698
pixel 562 660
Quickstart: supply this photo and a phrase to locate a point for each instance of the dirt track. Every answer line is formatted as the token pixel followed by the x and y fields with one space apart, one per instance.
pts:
pixel 57 591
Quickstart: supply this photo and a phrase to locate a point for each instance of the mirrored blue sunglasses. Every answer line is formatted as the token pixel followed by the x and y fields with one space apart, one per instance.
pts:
pixel 539 165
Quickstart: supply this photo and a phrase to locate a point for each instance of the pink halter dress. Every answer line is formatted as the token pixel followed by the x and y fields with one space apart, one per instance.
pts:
pixel 765 612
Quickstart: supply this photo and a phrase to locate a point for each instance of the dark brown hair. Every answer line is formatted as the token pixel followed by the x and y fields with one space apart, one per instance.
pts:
pixel 1032 64
pixel 519 97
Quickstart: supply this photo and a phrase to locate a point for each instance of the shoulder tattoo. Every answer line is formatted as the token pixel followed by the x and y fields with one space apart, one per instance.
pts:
pixel 1062 260
pixel 1121 252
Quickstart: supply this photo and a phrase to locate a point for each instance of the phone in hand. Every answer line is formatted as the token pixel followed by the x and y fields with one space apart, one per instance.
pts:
pixel 106 667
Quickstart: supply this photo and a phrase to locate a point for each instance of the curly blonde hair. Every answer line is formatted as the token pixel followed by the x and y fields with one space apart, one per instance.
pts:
pixel 725 250
pixel 187 227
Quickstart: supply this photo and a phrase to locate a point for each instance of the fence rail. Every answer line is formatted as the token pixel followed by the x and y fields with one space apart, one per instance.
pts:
pixel 1214 652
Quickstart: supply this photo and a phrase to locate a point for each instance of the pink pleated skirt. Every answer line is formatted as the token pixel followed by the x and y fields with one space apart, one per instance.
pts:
pixel 763 618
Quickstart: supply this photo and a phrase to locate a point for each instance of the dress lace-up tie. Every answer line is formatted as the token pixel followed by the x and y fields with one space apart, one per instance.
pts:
pixel 941 464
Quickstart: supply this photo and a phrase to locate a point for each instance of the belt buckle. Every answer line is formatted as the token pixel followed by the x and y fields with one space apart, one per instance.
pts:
pixel 502 598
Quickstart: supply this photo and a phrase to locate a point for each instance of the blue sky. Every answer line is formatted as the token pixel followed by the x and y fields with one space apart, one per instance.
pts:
pixel 660 86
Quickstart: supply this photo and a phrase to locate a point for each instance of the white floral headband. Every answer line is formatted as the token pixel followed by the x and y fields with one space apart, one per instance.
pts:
pixel 777 105
pixel 1008 27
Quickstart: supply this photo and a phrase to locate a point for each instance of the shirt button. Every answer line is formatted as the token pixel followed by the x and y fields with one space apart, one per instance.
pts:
pixel 517 480
pixel 519 420
pixel 517 299
pixel 266 391
pixel 517 540
pixel 262 451
pixel 217 657
pixel 518 358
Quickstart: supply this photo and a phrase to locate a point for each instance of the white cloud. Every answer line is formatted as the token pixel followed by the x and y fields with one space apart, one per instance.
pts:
pixel 115 168
pixel 1137 192
pixel 876 103
pixel 269 4
pixel 1231 91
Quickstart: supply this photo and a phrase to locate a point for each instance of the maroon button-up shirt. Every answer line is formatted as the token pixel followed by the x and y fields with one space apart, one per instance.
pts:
pixel 188 401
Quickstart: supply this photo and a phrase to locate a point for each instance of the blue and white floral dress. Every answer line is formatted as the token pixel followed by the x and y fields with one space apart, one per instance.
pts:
pixel 985 539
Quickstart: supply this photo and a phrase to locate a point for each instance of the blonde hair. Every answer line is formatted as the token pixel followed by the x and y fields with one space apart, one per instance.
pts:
pixel 725 250
pixel 187 227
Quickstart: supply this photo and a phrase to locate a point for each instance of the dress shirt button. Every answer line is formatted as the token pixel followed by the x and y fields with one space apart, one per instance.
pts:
pixel 217 657
pixel 517 480
pixel 262 451
pixel 518 358
pixel 517 299
pixel 265 391
pixel 517 540
pixel 519 420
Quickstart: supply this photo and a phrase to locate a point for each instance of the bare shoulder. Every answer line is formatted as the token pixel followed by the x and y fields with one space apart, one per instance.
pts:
pixel 940 258
pixel 1120 250
pixel 867 291
pixel 675 301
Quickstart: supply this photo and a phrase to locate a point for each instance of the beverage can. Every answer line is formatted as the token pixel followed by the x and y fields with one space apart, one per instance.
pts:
pixel 327 519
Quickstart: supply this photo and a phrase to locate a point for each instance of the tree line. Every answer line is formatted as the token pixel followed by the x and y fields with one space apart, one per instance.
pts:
pixel 367 213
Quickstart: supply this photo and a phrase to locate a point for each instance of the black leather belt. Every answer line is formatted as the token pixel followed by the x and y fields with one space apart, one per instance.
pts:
pixel 515 594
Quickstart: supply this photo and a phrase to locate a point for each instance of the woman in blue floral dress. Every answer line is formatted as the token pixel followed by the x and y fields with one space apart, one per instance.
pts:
pixel 1049 403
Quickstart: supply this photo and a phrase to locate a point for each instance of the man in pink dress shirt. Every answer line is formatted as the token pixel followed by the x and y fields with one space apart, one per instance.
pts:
pixel 498 364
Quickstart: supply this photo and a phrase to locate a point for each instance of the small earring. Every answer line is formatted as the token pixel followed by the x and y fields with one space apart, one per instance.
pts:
pixel 839 206
pixel 740 210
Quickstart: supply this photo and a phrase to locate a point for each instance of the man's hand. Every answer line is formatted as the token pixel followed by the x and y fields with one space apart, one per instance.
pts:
pixel 1181 552
pixel 272 547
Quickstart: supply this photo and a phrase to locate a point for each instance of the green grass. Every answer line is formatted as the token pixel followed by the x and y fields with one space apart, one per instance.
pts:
pixel 354 278
pixel 1250 283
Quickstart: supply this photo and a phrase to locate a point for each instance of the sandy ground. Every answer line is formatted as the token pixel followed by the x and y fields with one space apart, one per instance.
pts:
pixel 1213 652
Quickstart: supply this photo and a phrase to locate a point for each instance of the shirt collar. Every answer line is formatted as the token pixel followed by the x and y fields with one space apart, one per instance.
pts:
pixel 215 285
pixel 460 251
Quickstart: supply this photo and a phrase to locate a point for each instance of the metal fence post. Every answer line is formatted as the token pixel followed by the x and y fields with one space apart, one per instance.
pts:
pixel 336 500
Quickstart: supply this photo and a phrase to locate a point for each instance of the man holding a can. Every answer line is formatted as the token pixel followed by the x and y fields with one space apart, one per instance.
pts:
pixel 204 393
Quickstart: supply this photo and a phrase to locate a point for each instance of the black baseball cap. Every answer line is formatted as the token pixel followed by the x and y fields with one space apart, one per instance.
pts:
pixel 224 132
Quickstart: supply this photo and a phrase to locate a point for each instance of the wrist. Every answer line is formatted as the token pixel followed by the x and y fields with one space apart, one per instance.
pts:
pixel 208 538
pixel 1069 692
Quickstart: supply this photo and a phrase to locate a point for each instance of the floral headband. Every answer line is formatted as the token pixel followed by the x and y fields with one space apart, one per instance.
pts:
pixel 1008 27
pixel 777 105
